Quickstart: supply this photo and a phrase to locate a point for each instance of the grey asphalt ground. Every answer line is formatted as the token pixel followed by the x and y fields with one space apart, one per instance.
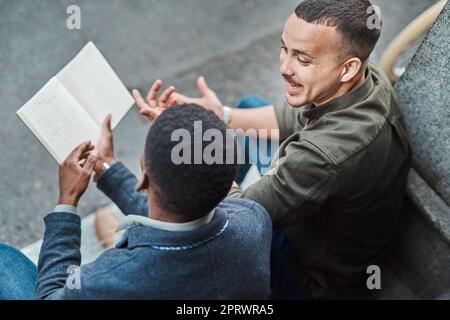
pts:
pixel 235 44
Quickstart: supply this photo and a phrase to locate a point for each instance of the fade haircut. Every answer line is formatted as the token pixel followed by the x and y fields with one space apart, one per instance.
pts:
pixel 350 18
pixel 187 188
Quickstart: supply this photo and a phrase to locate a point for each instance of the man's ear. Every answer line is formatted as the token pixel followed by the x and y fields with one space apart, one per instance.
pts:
pixel 350 69
pixel 143 182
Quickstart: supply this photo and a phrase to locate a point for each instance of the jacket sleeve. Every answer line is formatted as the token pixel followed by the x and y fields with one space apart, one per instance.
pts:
pixel 60 258
pixel 118 183
pixel 295 187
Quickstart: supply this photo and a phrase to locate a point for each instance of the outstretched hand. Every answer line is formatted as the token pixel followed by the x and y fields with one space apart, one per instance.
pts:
pixel 208 99
pixel 153 105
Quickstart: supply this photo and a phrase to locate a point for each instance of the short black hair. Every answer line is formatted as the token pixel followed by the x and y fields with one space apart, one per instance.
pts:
pixel 187 188
pixel 350 17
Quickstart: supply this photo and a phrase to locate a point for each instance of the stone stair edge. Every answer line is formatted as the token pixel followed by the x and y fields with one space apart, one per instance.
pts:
pixel 429 204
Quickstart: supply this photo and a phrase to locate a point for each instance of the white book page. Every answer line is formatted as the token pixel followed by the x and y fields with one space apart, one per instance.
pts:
pixel 58 120
pixel 95 85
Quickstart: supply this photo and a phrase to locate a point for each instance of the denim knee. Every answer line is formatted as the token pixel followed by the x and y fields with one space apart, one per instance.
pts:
pixel 17 275
pixel 252 102
pixel 12 256
pixel 7 251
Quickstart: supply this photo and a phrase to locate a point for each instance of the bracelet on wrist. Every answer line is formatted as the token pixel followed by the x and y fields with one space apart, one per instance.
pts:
pixel 226 115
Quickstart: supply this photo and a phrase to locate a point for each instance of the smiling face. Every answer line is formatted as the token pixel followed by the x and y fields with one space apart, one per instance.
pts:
pixel 311 62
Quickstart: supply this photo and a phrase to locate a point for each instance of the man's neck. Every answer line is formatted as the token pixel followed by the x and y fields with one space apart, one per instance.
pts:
pixel 157 213
pixel 346 88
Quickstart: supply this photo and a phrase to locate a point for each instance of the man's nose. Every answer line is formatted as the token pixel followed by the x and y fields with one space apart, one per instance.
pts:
pixel 286 69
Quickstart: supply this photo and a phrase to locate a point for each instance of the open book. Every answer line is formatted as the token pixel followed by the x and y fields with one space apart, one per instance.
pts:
pixel 71 107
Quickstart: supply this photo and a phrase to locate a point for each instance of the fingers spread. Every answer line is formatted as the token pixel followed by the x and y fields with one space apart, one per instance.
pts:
pixel 154 90
pixel 166 95
pixel 140 102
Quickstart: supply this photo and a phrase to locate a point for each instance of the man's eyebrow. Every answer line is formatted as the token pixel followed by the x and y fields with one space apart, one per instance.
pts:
pixel 299 51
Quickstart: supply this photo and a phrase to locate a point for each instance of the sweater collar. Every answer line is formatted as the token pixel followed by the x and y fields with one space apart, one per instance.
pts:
pixel 194 234
pixel 135 220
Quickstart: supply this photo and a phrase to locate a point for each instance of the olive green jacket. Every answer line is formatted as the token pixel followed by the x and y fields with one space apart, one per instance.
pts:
pixel 337 185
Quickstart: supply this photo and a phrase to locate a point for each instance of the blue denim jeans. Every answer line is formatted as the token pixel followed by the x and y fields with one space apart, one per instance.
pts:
pixel 17 275
pixel 284 270
pixel 252 155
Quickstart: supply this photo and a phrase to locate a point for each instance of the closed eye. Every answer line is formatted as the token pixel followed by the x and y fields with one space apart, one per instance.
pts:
pixel 304 62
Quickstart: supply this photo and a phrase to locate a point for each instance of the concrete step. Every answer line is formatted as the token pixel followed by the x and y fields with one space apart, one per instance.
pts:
pixel 420 254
